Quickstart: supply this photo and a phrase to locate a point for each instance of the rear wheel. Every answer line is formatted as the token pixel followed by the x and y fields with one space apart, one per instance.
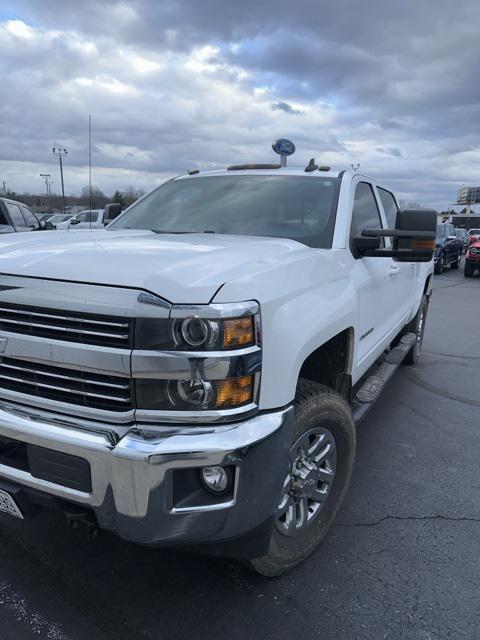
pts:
pixel 417 326
pixel 321 461
pixel 468 269
pixel 439 267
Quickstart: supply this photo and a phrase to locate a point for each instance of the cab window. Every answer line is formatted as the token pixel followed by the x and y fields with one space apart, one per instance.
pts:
pixel 16 216
pixel 365 211
pixel 389 206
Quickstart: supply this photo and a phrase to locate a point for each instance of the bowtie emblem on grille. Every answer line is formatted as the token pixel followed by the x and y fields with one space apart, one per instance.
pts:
pixel 3 344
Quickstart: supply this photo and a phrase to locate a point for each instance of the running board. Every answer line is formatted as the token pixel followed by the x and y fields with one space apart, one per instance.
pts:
pixel 373 386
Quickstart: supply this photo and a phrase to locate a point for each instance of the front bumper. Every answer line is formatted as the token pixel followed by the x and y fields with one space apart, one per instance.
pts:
pixel 132 480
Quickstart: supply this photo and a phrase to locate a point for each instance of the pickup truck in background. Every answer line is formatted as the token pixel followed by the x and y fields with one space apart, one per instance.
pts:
pixel 448 248
pixel 16 216
pixel 93 219
pixel 193 375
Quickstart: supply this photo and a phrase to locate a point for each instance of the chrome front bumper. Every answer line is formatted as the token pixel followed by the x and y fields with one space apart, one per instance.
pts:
pixel 131 477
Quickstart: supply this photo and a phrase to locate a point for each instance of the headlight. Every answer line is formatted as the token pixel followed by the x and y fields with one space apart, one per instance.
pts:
pixel 201 361
pixel 197 329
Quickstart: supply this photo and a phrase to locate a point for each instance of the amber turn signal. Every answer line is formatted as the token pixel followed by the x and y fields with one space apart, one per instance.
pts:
pixel 428 245
pixel 234 392
pixel 238 332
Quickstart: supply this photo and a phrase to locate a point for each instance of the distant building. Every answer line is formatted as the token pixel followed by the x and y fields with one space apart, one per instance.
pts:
pixel 468 195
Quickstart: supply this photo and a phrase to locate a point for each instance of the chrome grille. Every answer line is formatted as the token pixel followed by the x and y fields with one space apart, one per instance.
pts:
pixel 98 391
pixel 66 325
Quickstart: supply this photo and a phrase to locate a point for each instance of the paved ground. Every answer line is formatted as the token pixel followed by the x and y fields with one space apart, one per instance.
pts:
pixel 402 561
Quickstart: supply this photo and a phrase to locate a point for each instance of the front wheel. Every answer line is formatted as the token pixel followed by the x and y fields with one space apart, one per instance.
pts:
pixel 321 461
pixel 417 326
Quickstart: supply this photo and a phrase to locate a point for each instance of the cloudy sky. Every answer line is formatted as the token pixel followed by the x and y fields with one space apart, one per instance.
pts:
pixel 174 84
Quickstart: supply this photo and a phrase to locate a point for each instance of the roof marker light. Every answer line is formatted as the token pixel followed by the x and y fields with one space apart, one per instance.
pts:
pixel 311 166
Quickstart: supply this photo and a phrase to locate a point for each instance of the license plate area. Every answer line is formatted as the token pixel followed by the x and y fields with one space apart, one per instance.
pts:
pixel 9 506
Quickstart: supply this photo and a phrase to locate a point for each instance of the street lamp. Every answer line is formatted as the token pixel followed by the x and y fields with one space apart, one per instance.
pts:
pixel 61 153
pixel 47 177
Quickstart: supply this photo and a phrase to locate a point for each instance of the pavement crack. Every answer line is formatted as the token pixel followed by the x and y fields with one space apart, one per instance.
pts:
pixel 436 516
pixel 443 393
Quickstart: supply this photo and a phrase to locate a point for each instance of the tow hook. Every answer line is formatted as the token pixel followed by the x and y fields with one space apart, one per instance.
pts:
pixel 83 519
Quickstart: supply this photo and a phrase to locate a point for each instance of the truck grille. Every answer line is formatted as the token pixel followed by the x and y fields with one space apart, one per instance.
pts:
pixel 100 391
pixel 66 325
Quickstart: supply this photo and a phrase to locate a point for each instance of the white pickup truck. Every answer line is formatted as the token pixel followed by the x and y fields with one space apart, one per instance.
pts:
pixel 192 376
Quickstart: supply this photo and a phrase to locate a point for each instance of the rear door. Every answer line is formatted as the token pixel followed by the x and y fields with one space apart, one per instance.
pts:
pixel 403 274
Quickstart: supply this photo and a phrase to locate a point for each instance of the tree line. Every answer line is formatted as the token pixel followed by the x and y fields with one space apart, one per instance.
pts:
pixel 125 197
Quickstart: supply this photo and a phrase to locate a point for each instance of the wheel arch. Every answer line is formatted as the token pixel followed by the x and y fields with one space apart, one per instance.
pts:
pixel 330 364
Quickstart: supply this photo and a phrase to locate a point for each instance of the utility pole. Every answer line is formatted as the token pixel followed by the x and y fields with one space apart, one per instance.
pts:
pixel 61 153
pixel 4 189
pixel 47 177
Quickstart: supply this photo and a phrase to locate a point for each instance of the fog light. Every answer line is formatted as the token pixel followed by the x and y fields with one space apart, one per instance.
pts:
pixel 215 479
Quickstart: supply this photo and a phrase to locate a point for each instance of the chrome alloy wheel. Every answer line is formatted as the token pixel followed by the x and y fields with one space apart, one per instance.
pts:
pixel 308 482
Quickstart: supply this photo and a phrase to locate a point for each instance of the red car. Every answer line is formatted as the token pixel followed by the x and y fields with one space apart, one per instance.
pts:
pixel 472 259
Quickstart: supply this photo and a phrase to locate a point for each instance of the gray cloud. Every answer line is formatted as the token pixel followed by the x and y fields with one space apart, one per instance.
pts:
pixel 287 108
pixel 173 84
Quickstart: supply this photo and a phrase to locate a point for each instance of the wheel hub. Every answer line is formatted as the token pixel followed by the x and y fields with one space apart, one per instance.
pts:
pixel 305 479
pixel 308 482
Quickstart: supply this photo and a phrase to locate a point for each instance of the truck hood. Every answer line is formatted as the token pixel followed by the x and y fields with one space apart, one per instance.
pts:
pixel 187 268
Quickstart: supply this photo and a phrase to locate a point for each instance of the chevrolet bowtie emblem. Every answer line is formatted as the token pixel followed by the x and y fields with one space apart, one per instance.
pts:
pixel 3 344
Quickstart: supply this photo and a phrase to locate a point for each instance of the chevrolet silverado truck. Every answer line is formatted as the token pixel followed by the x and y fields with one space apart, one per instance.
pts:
pixel 192 376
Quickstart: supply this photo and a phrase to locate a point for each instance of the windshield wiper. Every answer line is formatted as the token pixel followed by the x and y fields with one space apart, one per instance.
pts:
pixel 181 232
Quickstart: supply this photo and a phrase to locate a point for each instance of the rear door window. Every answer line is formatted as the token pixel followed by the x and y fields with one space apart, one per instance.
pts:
pixel 389 206
pixel 30 219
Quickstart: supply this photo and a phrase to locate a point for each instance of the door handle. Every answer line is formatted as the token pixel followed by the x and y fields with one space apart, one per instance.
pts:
pixel 393 271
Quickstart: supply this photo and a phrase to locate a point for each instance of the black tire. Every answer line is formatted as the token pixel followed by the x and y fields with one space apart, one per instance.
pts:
pixel 417 326
pixel 469 269
pixel 316 406
pixel 456 264
pixel 439 267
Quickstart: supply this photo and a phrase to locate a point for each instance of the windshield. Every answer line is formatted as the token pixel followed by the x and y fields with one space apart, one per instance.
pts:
pixel 474 232
pixel 440 231
pixel 297 207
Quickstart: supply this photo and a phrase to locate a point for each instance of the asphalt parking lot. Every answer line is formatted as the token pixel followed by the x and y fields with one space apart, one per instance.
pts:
pixel 402 560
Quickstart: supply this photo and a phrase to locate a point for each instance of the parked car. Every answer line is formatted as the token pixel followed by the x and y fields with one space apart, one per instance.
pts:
pixel 59 218
pixel 463 236
pixel 192 375
pixel 472 259
pixel 448 248
pixel 473 235
pixel 84 220
pixel 16 216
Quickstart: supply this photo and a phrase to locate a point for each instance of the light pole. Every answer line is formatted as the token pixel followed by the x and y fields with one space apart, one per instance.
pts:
pixel 61 153
pixel 47 177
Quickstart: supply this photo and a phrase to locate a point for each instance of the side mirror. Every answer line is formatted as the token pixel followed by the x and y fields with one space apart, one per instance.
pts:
pixel 112 211
pixel 74 221
pixel 413 237
pixel 363 246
